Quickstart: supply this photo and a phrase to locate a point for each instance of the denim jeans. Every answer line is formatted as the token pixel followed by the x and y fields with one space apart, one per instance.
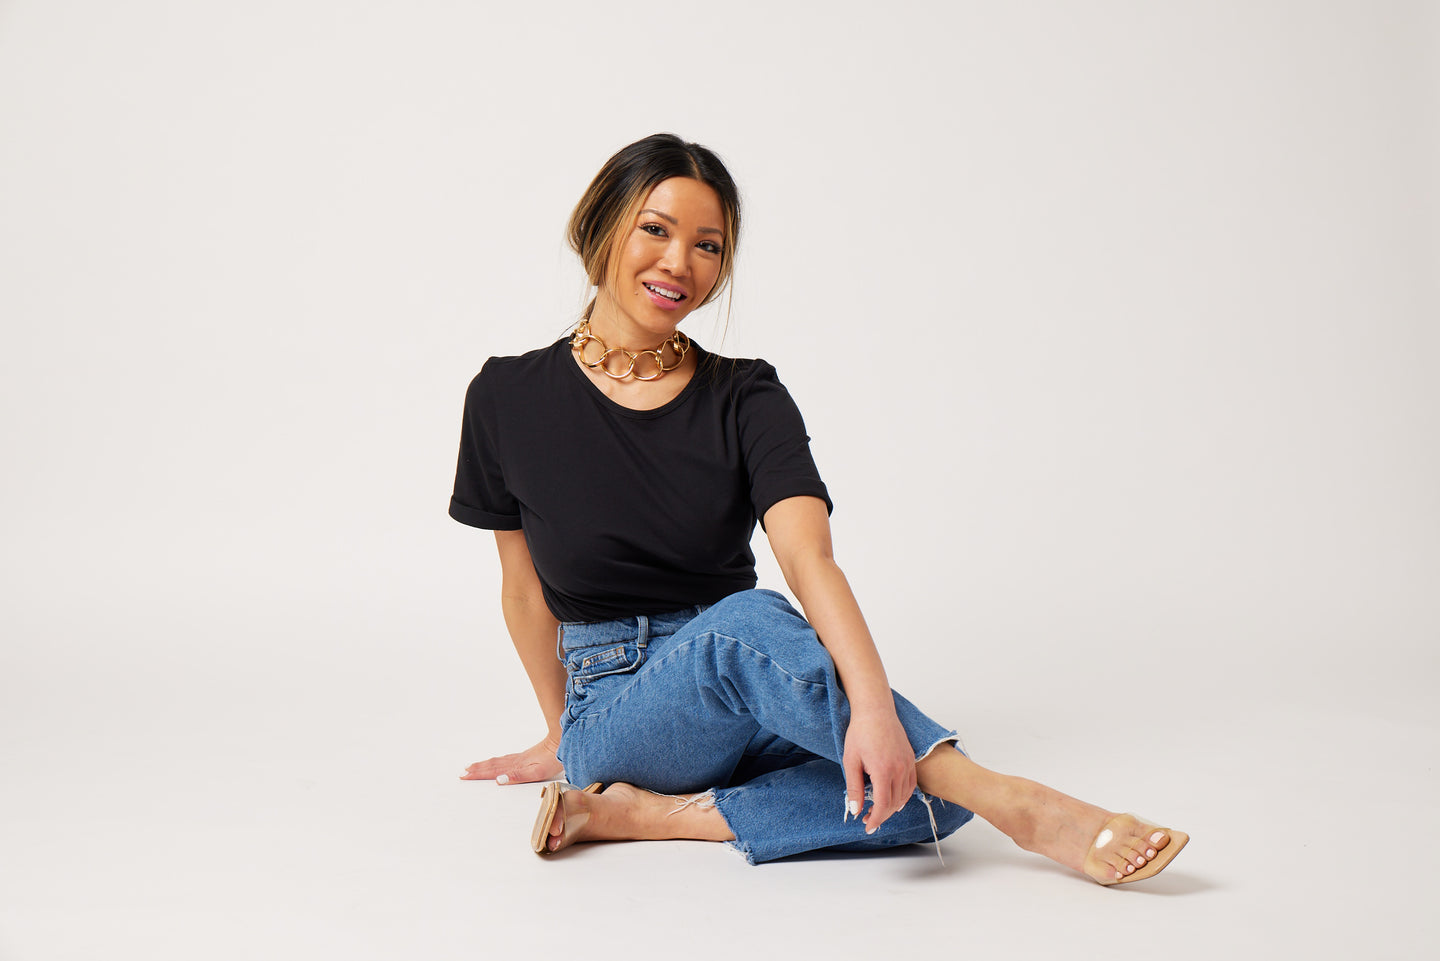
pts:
pixel 738 702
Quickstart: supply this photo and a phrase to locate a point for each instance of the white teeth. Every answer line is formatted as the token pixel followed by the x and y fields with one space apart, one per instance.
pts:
pixel 671 294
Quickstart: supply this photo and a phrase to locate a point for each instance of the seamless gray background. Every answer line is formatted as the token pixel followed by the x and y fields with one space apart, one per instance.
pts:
pixel 1114 325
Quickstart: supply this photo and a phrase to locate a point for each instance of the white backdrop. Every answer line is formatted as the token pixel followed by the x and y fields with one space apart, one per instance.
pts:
pixel 1114 325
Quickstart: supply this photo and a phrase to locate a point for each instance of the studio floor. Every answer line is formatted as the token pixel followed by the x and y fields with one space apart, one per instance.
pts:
pixel 285 803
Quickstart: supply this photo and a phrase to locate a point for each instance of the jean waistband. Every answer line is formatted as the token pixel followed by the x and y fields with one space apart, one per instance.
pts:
pixel 573 635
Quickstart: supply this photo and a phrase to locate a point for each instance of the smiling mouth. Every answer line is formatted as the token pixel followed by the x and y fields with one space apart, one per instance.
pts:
pixel 674 295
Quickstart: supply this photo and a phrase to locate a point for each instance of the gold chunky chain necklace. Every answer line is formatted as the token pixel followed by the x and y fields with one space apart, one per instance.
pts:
pixel 584 343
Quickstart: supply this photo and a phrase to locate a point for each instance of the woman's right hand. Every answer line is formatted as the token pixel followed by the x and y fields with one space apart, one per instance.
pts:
pixel 537 763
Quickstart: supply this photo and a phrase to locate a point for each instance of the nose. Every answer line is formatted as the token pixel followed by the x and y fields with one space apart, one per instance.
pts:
pixel 676 259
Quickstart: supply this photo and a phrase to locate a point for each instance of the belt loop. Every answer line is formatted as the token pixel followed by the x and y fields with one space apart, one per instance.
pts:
pixel 644 636
pixel 559 642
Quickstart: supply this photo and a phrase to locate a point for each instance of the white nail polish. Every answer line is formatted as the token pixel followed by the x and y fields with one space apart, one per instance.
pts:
pixel 853 807
pixel 502 779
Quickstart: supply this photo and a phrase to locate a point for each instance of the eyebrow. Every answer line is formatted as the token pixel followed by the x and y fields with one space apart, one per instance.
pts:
pixel 664 216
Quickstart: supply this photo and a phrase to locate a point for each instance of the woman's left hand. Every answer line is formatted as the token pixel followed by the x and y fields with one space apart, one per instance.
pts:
pixel 875 744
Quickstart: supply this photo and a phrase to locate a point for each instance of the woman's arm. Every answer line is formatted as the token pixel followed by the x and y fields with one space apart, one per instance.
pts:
pixel 532 628
pixel 875 743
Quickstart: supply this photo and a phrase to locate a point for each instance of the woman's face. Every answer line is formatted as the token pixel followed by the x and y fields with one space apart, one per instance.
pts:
pixel 668 262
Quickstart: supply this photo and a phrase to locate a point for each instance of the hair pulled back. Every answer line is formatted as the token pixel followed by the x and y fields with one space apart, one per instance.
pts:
pixel 608 208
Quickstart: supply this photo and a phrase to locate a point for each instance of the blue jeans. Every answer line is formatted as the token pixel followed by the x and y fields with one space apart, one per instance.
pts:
pixel 739 702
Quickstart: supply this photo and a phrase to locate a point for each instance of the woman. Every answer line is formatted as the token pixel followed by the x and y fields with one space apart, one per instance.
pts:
pixel 623 469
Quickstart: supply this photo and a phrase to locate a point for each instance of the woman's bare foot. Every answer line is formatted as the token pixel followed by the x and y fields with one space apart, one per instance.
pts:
pixel 626 813
pixel 1129 849
pixel 1047 822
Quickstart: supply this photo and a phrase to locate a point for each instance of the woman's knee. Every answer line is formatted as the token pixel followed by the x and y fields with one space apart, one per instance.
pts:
pixel 759 604
pixel 764 622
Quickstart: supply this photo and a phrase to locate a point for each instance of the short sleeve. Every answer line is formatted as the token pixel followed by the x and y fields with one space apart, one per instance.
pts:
pixel 775 445
pixel 481 498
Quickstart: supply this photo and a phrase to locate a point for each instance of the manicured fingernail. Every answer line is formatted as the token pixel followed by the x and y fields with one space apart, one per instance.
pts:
pixel 853 807
pixel 869 830
pixel 502 779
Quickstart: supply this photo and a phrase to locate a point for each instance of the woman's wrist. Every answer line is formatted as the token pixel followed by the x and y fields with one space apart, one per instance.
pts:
pixel 878 703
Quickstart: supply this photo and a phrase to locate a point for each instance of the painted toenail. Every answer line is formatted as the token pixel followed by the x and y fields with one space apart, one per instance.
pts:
pixel 1157 837
pixel 1150 853
pixel 1139 862
pixel 1129 869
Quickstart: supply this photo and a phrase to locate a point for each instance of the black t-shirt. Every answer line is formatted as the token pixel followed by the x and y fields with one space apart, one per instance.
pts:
pixel 630 511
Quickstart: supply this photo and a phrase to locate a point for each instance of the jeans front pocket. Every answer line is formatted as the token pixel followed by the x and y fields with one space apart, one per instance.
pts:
pixel 596 673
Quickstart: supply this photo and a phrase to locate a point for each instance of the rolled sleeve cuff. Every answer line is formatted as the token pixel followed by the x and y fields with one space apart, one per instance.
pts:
pixel 475 517
pixel 816 489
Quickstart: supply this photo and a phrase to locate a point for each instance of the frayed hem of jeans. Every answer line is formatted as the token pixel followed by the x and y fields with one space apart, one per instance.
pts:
pixel 736 844
pixel 951 738
pixel 934 827
pixel 925 799
pixel 704 800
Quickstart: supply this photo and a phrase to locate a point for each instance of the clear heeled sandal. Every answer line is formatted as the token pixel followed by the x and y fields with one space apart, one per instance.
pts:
pixel 552 803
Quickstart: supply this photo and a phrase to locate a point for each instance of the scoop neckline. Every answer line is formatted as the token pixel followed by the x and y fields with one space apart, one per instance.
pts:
pixel 562 350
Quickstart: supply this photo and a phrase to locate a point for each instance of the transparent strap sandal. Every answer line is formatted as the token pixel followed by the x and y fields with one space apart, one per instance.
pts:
pixel 552 803
pixel 1130 848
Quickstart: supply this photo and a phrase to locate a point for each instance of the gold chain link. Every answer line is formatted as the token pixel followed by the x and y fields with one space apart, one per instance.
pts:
pixel 583 337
